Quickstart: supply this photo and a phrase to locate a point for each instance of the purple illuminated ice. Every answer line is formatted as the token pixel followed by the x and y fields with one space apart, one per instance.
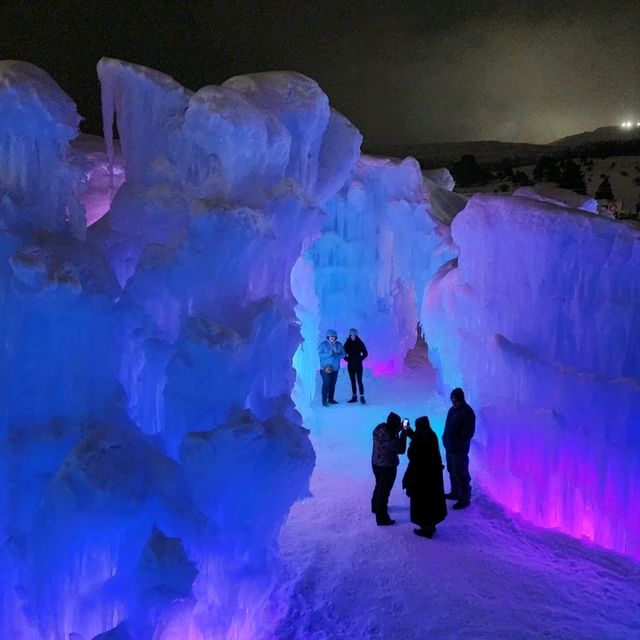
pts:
pixel 538 320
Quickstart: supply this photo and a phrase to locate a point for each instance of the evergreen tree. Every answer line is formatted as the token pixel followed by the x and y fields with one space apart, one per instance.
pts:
pixel 572 177
pixel 521 179
pixel 546 170
pixel 467 172
pixel 604 192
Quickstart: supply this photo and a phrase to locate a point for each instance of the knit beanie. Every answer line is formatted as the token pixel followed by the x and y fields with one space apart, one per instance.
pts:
pixel 331 332
pixel 353 332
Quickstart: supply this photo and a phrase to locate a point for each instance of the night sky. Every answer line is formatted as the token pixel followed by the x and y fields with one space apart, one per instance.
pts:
pixel 403 71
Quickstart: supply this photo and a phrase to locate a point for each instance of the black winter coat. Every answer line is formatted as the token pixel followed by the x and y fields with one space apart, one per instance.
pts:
pixel 423 480
pixel 459 429
pixel 355 351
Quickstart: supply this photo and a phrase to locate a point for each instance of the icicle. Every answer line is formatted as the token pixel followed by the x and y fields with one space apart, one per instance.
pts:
pixel 108 112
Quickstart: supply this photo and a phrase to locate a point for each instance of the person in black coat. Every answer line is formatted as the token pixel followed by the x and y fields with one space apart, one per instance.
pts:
pixel 456 439
pixel 355 354
pixel 423 479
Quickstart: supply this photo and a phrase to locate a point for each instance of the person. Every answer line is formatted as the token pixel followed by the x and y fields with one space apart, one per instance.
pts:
pixel 331 352
pixel 389 440
pixel 459 428
pixel 356 352
pixel 423 479
pixel 614 210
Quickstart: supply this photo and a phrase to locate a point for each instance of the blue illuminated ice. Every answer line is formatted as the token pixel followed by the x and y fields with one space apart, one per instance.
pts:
pixel 546 301
pixel 151 446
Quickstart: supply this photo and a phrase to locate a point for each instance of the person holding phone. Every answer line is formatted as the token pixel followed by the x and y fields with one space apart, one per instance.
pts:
pixel 389 440
pixel 423 481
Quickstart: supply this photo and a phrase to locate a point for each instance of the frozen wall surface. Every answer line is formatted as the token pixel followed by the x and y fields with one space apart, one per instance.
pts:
pixel 379 246
pixel 560 197
pixel 538 320
pixel 150 446
pixel 38 186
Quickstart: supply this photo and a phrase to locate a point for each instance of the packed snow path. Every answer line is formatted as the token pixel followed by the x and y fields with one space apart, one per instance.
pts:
pixel 484 575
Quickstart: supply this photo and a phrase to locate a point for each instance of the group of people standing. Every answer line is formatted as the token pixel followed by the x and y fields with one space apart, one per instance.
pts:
pixel 331 352
pixel 423 481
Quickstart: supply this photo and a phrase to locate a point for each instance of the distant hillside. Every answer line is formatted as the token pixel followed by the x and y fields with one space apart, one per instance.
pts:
pixel 602 142
pixel 487 152
pixel 602 134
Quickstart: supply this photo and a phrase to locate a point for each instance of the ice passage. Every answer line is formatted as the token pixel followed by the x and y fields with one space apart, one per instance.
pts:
pixel 151 445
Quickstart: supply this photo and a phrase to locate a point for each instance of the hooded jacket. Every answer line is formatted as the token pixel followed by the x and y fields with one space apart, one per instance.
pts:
pixel 389 440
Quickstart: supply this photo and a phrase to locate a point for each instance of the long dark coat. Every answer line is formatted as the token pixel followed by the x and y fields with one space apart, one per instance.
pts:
pixel 423 480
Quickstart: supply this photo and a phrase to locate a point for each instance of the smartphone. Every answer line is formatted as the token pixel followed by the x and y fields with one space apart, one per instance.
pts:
pixel 405 423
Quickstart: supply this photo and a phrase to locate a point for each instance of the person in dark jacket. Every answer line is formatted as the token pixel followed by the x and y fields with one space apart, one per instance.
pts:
pixel 456 439
pixel 423 479
pixel 356 352
pixel 389 440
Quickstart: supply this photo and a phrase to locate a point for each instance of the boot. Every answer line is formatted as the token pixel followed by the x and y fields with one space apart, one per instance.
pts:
pixel 461 504
pixel 362 400
pixel 324 402
pixel 332 401
pixel 353 399
pixel 451 496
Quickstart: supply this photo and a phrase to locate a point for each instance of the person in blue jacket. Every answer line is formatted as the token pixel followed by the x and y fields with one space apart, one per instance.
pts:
pixel 331 352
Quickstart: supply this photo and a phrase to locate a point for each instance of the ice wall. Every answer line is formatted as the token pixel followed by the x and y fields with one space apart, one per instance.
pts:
pixel 150 446
pixel 537 319
pixel 38 186
pixel 379 246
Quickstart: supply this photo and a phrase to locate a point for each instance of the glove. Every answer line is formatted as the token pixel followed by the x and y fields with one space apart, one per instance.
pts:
pixel 328 368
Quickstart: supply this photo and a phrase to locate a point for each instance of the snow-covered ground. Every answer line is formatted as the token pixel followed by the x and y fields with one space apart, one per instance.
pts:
pixel 486 574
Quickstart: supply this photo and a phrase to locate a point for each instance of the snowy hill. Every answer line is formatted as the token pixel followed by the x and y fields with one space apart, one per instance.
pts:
pixel 601 134
pixel 492 152
pixel 441 154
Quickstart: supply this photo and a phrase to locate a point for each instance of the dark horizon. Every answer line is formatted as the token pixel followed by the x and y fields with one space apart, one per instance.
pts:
pixel 407 74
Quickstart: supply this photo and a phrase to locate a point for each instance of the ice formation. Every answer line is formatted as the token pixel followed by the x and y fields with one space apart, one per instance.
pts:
pixel 558 196
pixel 38 185
pixel 151 447
pixel 379 247
pixel 545 301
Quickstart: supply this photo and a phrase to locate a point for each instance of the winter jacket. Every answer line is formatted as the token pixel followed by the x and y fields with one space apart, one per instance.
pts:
pixel 355 351
pixel 331 354
pixel 387 444
pixel 459 429
pixel 423 480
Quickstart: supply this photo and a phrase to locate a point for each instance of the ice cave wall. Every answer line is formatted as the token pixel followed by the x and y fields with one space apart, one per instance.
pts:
pixel 380 244
pixel 152 448
pixel 538 320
